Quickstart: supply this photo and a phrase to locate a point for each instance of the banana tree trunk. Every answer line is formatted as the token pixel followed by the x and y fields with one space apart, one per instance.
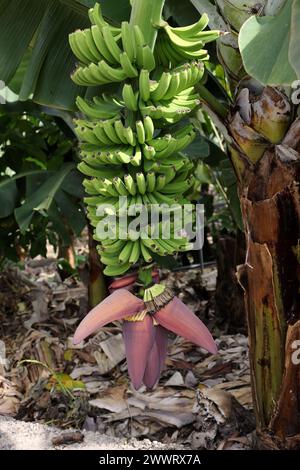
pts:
pixel 270 202
pixel 264 144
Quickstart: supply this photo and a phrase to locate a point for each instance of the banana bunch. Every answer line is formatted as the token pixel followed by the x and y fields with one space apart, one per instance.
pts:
pixel 175 45
pixel 131 143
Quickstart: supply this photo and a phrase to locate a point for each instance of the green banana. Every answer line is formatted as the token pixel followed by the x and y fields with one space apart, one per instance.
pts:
pixel 119 128
pixel 116 270
pixel 126 252
pixel 101 44
pixel 130 184
pixel 148 59
pixel 129 136
pixel 105 111
pixel 148 127
pixel 191 30
pixel 151 181
pixel 148 151
pixel 128 68
pixel 77 50
pixel 129 97
pixel 135 252
pixel 112 74
pixel 145 252
pixel 140 132
pixel 128 40
pixel 162 86
pixel 111 44
pixel 109 130
pixel 114 247
pixel 137 158
pixel 144 84
pixel 120 186
pixel 141 183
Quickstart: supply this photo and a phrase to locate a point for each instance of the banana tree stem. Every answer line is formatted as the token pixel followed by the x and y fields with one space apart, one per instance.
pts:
pixel 147 15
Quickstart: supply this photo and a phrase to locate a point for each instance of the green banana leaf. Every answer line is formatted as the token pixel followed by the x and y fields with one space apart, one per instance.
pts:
pixel 49 192
pixel 9 191
pixel 35 58
pixel 270 46
pixel 40 188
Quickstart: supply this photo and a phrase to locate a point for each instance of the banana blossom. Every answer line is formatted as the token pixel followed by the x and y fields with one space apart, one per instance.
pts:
pixel 145 334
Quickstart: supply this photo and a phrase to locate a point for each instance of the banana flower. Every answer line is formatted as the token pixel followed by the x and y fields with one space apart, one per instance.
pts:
pixel 145 329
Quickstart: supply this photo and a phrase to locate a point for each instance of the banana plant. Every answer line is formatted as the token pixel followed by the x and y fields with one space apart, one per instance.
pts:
pixel 260 52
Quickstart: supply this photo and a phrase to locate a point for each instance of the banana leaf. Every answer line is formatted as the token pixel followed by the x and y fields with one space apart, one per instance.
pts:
pixel 270 46
pixel 35 58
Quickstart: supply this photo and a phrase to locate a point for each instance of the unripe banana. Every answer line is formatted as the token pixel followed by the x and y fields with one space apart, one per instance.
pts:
pixel 148 59
pixel 120 186
pixel 136 160
pixel 119 128
pixel 109 130
pixel 150 180
pixel 130 184
pixel 129 97
pixel 135 252
pixel 148 127
pixel 112 74
pixel 148 151
pixel 116 270
pixel 76 49
pixel 128 40
pixel 140 132
pixel 145 252
pixel 128 68
pixel 101 45
pixel 126 252
pixel 111 43
pixel 162 87
pixel 144 84
pixel 130 137
pixel 141 183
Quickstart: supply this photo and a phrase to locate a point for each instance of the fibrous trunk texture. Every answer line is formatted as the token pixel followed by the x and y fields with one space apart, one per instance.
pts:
pixel 270 202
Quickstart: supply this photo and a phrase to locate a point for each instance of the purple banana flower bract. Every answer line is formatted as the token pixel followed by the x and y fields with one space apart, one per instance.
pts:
pixel 157 356
pixel 139 339
pixel 179 319
pixel 146 339
pixel 116 306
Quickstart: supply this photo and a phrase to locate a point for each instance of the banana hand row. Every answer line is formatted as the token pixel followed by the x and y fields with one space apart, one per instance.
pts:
pixel 130 185
pixel 180 79
pixel 113 132
pixel 113 150
pixel 108 54
pixel 174 45
pixel 172 110
pixel 120 255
